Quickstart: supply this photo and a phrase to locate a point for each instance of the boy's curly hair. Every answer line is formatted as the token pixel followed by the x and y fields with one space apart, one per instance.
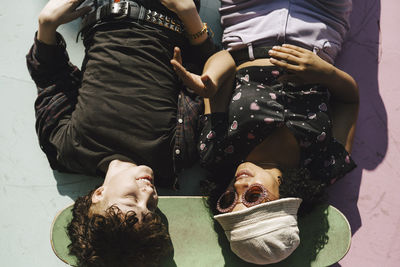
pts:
pixel 115 238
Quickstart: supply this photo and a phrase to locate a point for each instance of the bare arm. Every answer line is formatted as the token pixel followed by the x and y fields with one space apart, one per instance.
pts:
pixel 344 117
pixel 219 102
pixel 306 67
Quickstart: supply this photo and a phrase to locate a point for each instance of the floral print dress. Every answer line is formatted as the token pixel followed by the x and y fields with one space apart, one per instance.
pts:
pixel 259 105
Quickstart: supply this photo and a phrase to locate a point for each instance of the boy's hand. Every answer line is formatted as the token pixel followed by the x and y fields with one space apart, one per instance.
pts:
pixel 57 12
pixel 201 85
pixel 303 65
pixel 187 13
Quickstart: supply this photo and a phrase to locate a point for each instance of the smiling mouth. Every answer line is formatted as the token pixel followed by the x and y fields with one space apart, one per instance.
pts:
pixel 243 174
pixel 147 178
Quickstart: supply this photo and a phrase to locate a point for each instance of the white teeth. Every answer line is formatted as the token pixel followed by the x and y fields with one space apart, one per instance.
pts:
pixel 145 180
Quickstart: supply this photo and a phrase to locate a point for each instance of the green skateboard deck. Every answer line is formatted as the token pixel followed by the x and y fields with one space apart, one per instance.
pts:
pixel 199 241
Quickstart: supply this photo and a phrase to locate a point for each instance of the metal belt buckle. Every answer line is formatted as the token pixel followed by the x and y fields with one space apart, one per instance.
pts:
pixel 120 10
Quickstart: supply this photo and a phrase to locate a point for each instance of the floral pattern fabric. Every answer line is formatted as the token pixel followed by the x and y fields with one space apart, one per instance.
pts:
pixel 261 104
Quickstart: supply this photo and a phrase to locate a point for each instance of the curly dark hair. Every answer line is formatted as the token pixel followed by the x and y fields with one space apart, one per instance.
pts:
pixel 296 182
pixel 115 238
pixel 299 182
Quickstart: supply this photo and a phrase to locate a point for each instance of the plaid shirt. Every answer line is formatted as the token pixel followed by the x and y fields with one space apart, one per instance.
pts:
pixel 58 82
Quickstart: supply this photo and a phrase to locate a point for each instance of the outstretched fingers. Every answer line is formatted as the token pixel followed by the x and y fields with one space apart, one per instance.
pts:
pixel 191 80
pixel 176 62
pixel 180 70
pixel 202 85
pixel 177 54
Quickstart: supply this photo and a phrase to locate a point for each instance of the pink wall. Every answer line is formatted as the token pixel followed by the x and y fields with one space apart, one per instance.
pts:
pixel 369 196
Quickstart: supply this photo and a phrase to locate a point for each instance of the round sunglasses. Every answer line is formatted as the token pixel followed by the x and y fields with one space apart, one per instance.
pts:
pixel 254 195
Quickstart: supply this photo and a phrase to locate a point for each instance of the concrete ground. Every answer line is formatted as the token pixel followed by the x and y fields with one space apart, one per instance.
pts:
pixel 31 193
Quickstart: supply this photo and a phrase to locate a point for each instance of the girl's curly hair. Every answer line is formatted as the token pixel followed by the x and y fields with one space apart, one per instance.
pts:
pixel 115 238
pixel 300 183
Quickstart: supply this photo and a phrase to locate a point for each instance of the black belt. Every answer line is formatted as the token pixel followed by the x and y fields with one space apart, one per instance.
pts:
pixel 128 10
pixel 242 55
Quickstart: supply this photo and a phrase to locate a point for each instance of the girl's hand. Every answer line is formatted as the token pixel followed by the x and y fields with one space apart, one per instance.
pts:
pixel 302 65
pixel 57 12
pixel 201 85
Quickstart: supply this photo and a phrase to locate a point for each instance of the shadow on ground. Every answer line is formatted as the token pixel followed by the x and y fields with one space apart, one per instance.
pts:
pixel 360 57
